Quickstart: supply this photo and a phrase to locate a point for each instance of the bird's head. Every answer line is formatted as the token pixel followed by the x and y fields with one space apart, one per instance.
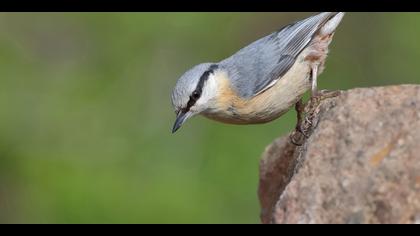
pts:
pixel 194 93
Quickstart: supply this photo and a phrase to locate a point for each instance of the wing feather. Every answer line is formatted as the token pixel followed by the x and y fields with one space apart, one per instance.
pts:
pixel 290 41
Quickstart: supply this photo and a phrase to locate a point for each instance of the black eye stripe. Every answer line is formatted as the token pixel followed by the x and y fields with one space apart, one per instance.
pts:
pixel 197 92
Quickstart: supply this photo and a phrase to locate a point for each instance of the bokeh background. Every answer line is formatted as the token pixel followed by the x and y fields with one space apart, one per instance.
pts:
pixel 85 115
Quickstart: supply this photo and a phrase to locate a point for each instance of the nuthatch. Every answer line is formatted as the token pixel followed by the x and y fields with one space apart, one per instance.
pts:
pixel 263 80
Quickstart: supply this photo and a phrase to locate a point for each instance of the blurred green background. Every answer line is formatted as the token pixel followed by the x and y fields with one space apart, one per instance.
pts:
pixel 86 115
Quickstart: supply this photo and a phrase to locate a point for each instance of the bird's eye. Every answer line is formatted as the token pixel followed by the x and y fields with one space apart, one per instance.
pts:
pixel 195 95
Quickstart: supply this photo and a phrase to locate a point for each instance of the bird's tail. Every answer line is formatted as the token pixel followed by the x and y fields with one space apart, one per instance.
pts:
pixel 332 20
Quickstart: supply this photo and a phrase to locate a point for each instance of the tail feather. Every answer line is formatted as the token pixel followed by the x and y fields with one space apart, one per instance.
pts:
pixel 331 24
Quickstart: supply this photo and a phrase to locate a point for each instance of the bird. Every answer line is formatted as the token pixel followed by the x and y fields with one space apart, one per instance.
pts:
pixel 263 80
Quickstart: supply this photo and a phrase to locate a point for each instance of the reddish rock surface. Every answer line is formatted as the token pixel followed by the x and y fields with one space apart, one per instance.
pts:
pixel 361 163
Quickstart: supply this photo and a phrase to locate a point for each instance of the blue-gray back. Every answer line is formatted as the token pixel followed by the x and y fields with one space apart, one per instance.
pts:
pixel 259 65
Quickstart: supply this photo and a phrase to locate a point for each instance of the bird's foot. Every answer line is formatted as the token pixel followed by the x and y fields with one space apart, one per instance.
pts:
pixel 312 107
pixel 305 126
pixel 298 136
pixel 318 97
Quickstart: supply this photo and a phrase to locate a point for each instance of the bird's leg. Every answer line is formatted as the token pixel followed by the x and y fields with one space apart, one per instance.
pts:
pixel 299 107
pixel 305 123
pixel 296 137
pixel 314 75
pixel 316 98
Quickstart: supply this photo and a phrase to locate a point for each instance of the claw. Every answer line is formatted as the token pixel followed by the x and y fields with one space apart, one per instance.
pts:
pixel 305 134
pixel 293 138
pixel 307 120
pixel 324 94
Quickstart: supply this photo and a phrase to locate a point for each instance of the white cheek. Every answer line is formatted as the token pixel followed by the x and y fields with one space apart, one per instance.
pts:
pixel 209 92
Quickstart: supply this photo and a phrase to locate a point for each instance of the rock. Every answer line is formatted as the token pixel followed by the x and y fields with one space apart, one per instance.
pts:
pixel 361 164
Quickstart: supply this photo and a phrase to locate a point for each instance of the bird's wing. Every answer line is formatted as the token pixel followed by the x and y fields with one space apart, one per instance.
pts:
pixel 288 43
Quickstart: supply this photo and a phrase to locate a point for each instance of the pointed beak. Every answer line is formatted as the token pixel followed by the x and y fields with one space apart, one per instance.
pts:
pixel 180 119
